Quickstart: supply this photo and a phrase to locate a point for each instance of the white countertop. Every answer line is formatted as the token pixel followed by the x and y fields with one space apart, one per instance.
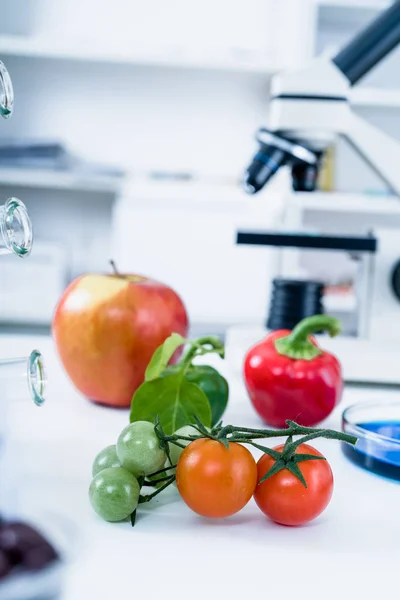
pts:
pixel 352 550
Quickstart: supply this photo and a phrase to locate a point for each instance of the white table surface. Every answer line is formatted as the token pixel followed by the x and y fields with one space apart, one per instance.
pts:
pixel 352 550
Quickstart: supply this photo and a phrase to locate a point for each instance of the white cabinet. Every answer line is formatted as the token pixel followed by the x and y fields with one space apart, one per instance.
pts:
pixel 186 238
pixel 30 289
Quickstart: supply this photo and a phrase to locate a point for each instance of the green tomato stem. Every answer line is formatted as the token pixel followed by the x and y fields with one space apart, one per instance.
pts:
pixel 156 481
pixel 178 444
pixel 148 497
pixel 293 429
pixel 245 434
pixel 164 470
pixel 133 518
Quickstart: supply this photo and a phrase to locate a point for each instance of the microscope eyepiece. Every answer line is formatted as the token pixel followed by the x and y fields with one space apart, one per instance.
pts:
pixel 274 152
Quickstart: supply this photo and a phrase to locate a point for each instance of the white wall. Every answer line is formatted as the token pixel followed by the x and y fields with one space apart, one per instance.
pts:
pixel 158 118
pixel 140 117
pixel 336 28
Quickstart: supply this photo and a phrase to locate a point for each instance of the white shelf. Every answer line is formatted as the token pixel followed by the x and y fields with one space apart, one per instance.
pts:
pixel 346 203
pixel 40 178
pixel 60 50
pixel 48 48
pixel 357 4
pixel 375 97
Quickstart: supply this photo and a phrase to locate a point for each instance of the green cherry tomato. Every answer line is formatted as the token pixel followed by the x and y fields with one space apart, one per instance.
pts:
pixel 105 459
pixel 114 494
pixel 138 449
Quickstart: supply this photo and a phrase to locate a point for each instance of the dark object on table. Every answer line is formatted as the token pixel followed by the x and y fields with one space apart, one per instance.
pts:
pixel 22 547
pixel 292 300
pixel 5 565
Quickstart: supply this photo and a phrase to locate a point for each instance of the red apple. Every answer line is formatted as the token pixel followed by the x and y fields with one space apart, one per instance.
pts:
pixel 107 327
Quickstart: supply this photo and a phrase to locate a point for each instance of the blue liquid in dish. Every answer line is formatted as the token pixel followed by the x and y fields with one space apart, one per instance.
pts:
pixel 378 455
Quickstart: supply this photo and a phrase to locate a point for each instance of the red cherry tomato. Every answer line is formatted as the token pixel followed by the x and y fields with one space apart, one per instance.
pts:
pixel 284 499
pixel 215 481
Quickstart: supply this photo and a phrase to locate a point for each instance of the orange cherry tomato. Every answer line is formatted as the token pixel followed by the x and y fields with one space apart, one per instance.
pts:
pixel 215 481
pixel 284 499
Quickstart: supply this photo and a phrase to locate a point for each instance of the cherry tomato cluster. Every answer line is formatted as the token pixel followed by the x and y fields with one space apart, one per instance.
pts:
pixel 215 474
pixel 215 481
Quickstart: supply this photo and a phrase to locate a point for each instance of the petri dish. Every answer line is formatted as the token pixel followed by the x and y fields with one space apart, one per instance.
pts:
pixel 377 426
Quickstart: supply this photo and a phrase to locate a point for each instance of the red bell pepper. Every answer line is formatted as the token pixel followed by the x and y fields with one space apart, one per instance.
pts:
pixel 288 376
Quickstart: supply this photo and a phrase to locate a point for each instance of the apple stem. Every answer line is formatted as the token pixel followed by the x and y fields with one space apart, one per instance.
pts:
pixel 114 268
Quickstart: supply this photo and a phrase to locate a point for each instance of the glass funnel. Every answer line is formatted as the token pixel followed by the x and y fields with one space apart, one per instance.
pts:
pixel 16 233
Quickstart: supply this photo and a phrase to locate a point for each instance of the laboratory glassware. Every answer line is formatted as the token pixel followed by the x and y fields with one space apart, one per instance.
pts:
pixel 16 234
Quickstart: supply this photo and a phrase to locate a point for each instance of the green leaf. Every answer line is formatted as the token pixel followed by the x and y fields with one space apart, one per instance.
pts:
pixel 173 399
pixel 276 467
pixel 215 387
pixel 162 356
pixel 272 453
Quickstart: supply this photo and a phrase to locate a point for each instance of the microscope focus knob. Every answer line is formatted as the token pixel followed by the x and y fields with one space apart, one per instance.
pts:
pixel 396 280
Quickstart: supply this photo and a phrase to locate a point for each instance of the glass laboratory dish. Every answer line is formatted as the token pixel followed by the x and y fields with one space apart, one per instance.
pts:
pixel 16 234
pixel 377 426
pixel 21 380
pixel 33 545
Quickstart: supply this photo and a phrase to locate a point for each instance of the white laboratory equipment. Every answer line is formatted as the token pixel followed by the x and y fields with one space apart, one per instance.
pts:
pixel 309 110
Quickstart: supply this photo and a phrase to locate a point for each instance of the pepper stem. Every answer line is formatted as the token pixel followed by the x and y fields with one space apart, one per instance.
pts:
pixel 198 348
pixel 297 344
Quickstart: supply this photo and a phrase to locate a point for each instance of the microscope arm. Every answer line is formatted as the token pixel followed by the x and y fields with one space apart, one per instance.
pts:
pixel 367 49
pixel 371 45
pixel 378 149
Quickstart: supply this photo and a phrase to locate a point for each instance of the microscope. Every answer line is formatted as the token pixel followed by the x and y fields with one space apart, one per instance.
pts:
pixel 309 110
